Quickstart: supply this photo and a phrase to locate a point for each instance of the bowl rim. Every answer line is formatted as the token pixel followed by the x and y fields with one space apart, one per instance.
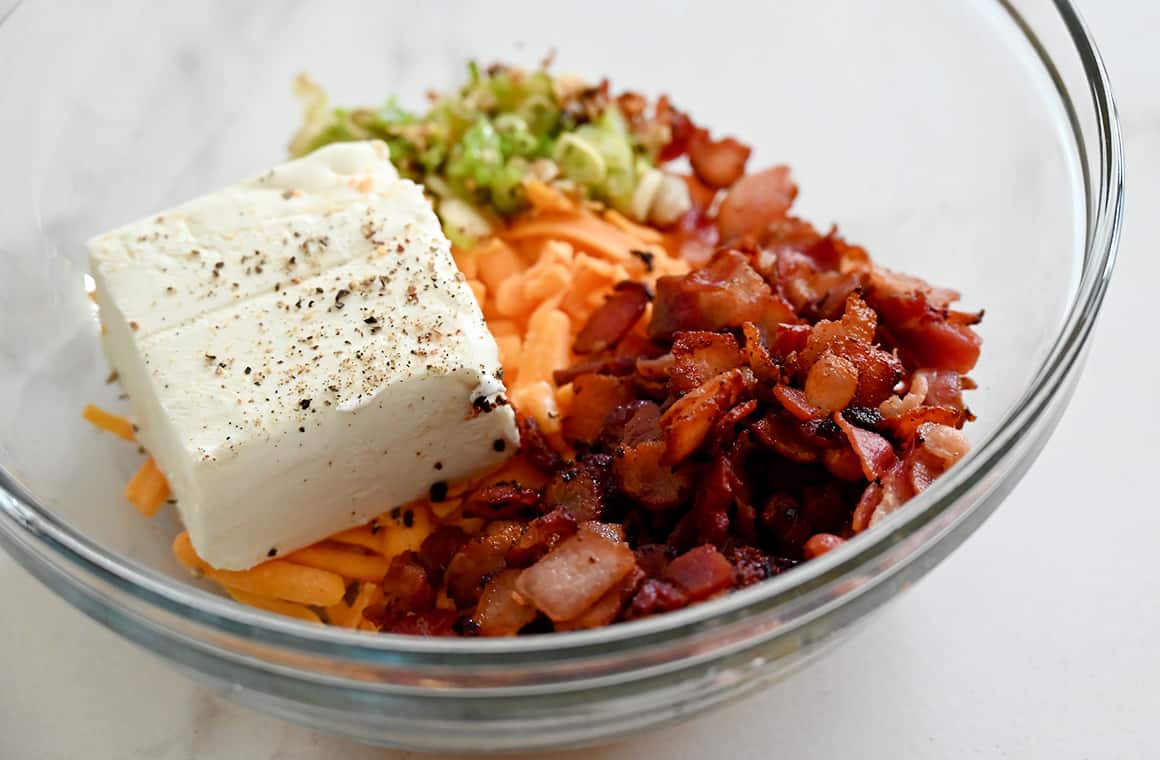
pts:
pixel 24 521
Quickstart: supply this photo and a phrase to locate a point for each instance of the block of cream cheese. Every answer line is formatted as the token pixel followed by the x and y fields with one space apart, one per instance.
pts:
pixel 300 352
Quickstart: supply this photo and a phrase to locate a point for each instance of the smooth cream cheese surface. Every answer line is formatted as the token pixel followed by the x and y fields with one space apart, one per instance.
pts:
pixel 300 352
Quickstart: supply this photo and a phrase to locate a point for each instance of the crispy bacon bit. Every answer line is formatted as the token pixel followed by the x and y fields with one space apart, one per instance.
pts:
pixel 858 322
pixel 504 499
pixel 473 565
pixel 906 426
pixel 726 428
pixel 429 623
pixel 654 558
pixel 579 491
pixel 700 572
pixel 784 395
pixel 789 339
pixel 924 332
pixel 758 357
pixel 874 452
pixel 541 535
pixel 641 475
pixel 943 387
pixel 622 309
pixel 502 611
pixel 786 521
pixel 831 382
pixel 534 447
pixel 630 424
pixel 718 163
pixel 755 202
pixel 607 607
pixel 656 596
pixel 595 397
pixel 844 464
pixel 603 364
pixel 750 565
pixel 574 575
pixel 878 371
pixel 699 356
pixel 438 548
pixel 821 543
pixel 406 587
pixel 782 433
pixel 945 442
pixel 679 126
pixel 796 403
pixel 727 292
pixel 686 423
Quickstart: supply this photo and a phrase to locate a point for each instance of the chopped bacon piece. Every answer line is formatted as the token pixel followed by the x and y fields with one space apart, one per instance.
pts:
pixel 789 338
pixel 680 128
pixel 654 558
pixel 688 421
pixel 540 536
pixel 717 493
pixel 574 575
pixel 641 475
pixel 750 565
pixel 796 403
pixel 655 596
pixel 534 446
pixel 944 387
pixel 891 283
pixel 785 520
pixel 607 607
pixel 473 565
pixel 765 369
pixel 874 452
pixel 878 371
pixel 438 548
pixel 701 572
pixel 781 433
pixel 820 543
pixel 695 236
pixel 831 382
pixel 924 332
pixel 755 201
pixel 503 499
pixel 726 427
pixel 621 309
pixel 843 463
pixel 603 364
pixel 858 322
pixel 502 611
pixel 906 425
pixel 718 163
pixel 630 424
pixel 406 587
pixel 595 397
pixel 429 623
pixel 579 490
pixel 699 356
pixel 607 530
pixel 727 292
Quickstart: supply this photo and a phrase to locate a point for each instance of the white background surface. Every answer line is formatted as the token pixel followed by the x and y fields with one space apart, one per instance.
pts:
pixel 1040 638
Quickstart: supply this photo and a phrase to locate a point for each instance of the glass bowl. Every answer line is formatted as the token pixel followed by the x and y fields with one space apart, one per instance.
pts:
pixel 972 143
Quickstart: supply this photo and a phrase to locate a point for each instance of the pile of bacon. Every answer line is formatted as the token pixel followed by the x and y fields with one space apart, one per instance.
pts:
pixel 780 398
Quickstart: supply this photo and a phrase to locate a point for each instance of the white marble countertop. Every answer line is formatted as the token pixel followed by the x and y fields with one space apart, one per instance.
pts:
pixel 1037 639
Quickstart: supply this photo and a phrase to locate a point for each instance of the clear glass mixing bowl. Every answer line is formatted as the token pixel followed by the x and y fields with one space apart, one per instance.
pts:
pixel 974 143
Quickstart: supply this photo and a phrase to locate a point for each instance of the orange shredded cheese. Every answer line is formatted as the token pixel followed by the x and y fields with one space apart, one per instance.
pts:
pixel 109 422
pixel 148 490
